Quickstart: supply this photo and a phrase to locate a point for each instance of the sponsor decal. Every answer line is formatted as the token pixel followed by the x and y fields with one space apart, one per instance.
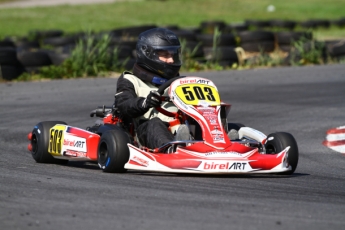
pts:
pixel 238 166
pixel 226 166
pixel 216 131
pixel 209 117
pixel 186 81
pixel 217 136
pixel 207 110
pixel 213 121
pixel 74 143
pixel 140 161
pixel 202 81
pixel 218 139
pixel 203 103
pixel 215 165
pixel 73 153
pixel 221 154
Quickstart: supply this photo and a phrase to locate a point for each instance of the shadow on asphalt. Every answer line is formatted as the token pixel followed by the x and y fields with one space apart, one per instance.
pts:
pixel 144 173
pixel 83 164
pixel 94 166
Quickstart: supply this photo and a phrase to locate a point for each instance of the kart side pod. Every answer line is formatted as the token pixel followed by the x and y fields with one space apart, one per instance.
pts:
pixel 67 142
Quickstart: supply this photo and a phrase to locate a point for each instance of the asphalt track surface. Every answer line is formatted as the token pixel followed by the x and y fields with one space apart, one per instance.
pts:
pixel 305 101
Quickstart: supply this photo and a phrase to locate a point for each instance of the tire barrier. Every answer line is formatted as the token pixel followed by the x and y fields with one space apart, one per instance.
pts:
pixel 257 41
pixel 253 37
pixel 336 49
pixel 286 39
pixel 34 61
pixel 284 24
pixel 223 55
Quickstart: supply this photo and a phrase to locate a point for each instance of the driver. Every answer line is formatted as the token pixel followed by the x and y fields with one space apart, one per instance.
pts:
pixel 158 60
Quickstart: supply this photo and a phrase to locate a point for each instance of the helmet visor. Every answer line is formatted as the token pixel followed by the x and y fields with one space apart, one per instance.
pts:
pixel 167 54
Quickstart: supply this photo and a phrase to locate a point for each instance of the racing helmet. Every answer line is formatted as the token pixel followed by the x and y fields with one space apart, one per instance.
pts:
pixel 154 43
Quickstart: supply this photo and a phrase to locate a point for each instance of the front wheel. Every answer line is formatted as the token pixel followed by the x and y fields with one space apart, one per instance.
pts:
pixel 113 152
pixel 40 142
pixel 277 142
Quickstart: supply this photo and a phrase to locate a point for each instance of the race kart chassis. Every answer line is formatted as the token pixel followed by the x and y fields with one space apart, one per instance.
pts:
pixel 115 146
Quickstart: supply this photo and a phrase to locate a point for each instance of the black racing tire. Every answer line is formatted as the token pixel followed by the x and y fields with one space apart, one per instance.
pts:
pixel 286 24
pixel 220 53
pixel 277 142
pixel 186 35
pixel 8 56
pixel 194 49
pixel 60 41
pixel 41 34
pixel 261 46
pixel 223 40
pixel 338 22
pixel 27 46
pixel 58 58
pixel 208 27
pixel 113 152
pixel 256 36
pixel 337 48
pixel 287 37
pixel 40 142
pixel 5 43
pixel 315 23
pixel 33 59
pixel 259 24
pixel 236 27
pixel 10 72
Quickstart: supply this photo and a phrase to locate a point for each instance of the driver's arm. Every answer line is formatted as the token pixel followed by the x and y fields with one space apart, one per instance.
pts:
pixel 126 100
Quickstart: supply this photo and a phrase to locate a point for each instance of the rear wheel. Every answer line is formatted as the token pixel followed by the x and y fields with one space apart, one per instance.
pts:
pixel 113 152
pixel 40 141
pixel 277 142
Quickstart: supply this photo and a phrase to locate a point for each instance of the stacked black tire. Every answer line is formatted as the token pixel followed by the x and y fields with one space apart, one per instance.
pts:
pixel 286 39
pixel 10 67
pixel 336 49
pixel 257 41
pixel 220 48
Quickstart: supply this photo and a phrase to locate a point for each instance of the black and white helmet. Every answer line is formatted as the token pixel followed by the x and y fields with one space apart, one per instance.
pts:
pixel 153 42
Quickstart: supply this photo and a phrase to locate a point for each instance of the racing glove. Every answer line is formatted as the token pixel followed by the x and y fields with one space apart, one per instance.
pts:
pixel 152 100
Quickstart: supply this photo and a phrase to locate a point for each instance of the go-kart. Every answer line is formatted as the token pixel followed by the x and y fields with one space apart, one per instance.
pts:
pixel 115 147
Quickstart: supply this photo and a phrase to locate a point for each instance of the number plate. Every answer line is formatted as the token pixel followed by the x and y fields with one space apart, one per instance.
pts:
pixel 56 139
pixel 198 94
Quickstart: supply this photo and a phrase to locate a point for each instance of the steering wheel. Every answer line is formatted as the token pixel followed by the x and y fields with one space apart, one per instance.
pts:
pixel 161 90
